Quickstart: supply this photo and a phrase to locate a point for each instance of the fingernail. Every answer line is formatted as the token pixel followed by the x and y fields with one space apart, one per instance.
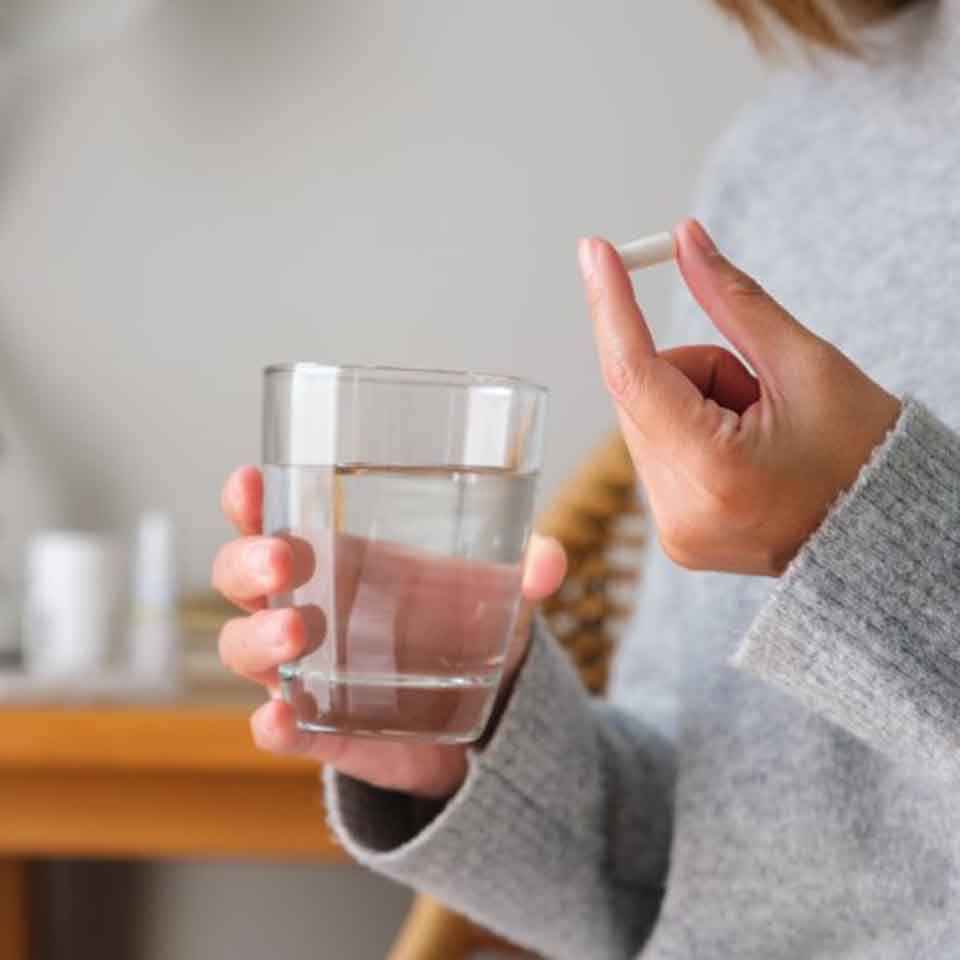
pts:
pixel 701 238
pixel 585 252
pixel 259 557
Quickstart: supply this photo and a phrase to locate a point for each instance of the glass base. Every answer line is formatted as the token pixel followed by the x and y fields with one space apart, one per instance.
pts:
pixel 415 708
pixel 408 736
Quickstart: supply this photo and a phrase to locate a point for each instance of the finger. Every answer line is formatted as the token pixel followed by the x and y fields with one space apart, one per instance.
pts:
pixel 658 405
pixel 253 647
pixel 420 769
pixel 274 729
pixel 717 373
pixel 544 571
pixel 623 337
pixel 545 567
pixel 242 500
pixel 247 570
pixel 303 558
pixel 739 308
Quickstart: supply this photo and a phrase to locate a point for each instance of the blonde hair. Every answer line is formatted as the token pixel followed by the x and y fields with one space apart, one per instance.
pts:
pixel 824 23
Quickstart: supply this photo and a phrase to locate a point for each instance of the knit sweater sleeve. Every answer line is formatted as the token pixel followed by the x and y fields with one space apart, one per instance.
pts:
pixel 558 839
pixel 864 626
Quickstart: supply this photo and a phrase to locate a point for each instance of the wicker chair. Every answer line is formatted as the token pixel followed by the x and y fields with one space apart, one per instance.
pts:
pixel 597 517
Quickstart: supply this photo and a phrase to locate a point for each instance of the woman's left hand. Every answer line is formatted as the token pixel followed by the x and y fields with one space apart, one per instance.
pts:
pixel 739 469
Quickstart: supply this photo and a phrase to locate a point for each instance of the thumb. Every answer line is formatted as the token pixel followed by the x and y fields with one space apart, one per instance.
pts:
pixel 545 567
pixel 739 307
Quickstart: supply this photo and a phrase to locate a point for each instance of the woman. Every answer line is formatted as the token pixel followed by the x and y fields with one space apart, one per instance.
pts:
pixel 802 801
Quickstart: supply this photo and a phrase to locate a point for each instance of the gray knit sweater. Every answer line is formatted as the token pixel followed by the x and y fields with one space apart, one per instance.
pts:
pixel 777 774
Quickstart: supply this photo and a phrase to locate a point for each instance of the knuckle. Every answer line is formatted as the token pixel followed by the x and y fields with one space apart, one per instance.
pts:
pixel 620 378
pixel 680 554
pixel 289 634
pixel 740 288
pixel 723 425
pixel 679 544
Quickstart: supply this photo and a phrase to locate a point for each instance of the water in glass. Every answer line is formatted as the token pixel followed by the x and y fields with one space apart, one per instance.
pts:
pixel 408 583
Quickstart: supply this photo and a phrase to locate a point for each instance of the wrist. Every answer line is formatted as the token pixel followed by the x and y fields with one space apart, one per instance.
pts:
pixel 444 777
pixel 854 451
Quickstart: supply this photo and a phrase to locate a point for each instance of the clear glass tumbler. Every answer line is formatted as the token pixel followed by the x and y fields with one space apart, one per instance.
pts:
pixel 407 496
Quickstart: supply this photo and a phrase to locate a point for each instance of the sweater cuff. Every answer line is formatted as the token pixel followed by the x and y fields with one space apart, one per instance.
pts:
pixel 504 802
pixel 864 626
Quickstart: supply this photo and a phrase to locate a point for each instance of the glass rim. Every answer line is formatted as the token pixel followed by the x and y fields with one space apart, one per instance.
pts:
pixel 423 376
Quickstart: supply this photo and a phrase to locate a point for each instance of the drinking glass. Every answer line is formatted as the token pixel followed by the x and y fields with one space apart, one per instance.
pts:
pixel 407 498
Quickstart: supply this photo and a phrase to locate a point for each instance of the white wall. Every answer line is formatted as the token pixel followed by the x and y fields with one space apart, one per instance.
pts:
pixel 237 182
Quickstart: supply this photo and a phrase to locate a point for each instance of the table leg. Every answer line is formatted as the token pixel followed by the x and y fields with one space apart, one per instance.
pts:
pixel 14 909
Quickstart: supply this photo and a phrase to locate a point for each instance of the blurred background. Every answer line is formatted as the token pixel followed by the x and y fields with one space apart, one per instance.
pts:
pixel 190 189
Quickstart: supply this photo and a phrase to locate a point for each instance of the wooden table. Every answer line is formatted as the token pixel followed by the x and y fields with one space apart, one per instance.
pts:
pixel 174 780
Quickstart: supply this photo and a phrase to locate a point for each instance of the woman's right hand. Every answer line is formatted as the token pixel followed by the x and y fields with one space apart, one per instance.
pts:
pixel 249 569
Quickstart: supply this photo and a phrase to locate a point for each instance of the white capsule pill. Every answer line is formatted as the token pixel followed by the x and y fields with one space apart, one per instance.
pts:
pixel 648 252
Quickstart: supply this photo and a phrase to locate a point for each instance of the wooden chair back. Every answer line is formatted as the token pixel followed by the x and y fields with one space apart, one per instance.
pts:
pixel 597 517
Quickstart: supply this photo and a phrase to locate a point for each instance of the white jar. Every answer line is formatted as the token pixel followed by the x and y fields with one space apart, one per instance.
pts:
pixel 31 499
pixel 73 590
